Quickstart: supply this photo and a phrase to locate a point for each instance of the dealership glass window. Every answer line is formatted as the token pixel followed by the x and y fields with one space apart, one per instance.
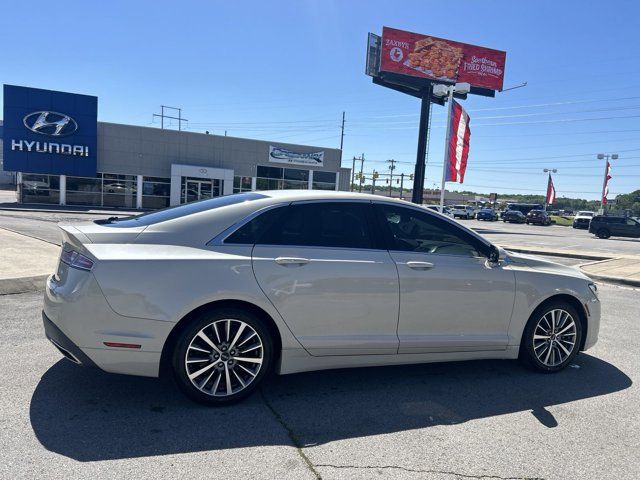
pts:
pixel 38 188
pixel 119 190
pixel 84 190
pixel 155 192
pixel 241 184
pixel 324 180
pixel 276 178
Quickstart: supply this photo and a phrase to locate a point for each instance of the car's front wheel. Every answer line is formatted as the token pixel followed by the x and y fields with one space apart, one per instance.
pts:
pixel 552 337
pixel 222 356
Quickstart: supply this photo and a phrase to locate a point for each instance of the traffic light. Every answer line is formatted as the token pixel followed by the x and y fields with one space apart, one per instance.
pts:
pixel 376 174
pixel 411 176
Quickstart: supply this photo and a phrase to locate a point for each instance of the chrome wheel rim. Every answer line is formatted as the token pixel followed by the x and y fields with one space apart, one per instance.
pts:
pixel 224 357
pixel 554 337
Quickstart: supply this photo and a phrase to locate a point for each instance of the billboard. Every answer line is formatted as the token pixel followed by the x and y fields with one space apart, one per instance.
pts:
pixel 282 155
pixel 49 132
pixel 442 60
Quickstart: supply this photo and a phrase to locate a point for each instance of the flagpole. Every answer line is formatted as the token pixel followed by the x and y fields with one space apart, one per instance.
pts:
pixel 445 164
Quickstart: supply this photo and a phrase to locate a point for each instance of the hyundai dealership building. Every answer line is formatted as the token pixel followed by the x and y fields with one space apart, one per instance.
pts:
pixel 62 155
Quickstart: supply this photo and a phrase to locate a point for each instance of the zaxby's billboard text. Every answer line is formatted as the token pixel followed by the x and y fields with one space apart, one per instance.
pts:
pixel 433 58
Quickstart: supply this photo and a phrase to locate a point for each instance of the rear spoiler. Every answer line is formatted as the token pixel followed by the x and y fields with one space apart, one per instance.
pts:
pixel 72 236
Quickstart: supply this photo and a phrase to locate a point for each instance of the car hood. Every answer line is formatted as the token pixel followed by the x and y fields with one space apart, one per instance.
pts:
pixel 541 265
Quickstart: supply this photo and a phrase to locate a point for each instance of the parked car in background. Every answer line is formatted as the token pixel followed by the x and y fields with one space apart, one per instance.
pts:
pixel 582 219
pixel 463 211
pixel 538 217
pixel 604 226
pixel 281 266
pixel 436 208
pixel 513 216
pixel 524 207
pixel 487 214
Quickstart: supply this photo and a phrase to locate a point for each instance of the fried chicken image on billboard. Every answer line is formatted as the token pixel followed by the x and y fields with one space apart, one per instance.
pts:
pixel 437 56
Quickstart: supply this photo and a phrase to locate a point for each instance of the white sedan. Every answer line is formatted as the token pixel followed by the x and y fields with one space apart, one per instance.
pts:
pixel 222 291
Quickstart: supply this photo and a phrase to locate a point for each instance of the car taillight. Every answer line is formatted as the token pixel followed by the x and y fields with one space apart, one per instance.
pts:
pixel 76 260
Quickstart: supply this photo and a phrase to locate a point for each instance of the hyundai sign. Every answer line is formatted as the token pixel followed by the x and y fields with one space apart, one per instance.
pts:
pixel 49 132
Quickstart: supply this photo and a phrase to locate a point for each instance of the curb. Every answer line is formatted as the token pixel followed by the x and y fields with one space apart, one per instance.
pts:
pixel 12 286
pixel 5 208
pixel 627 282
pixel 583 256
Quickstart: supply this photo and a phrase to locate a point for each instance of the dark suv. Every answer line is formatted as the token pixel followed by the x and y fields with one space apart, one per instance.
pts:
pixel 539 217
pixel 604 226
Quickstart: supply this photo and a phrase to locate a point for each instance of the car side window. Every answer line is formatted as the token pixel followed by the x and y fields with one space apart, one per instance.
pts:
pixel 410 230
pixel 323 224
pixel 631 221
pixel 250 232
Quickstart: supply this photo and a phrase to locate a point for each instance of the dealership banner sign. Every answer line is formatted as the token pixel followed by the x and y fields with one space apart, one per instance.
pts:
pixel 282 155
pixel 435 58
pixel 49 132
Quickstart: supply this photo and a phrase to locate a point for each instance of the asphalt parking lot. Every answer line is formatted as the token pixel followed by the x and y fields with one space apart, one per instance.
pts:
pixel 489 419
pixel 553 237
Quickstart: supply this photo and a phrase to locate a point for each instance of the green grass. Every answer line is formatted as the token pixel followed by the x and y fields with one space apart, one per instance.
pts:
pixel 563 221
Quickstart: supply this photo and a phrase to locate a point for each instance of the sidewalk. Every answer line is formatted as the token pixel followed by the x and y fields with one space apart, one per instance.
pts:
pixel 25 262
pixel 625 271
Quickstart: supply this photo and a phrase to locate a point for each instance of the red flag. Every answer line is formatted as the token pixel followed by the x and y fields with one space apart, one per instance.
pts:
pixel 458 144
pixel 607 177
pixel 551 192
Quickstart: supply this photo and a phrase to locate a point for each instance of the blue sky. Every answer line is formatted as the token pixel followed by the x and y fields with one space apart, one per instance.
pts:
pixel 285 71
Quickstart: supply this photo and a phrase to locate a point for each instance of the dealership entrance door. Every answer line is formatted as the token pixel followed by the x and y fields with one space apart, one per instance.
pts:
pixel 190 183
pixel 200 189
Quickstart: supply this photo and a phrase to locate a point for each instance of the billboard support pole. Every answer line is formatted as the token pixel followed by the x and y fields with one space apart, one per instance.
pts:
pixel 418 183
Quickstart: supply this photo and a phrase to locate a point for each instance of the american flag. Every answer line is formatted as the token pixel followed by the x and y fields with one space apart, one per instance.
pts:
pixel 607 177
pixel 458 144
pixel 551 192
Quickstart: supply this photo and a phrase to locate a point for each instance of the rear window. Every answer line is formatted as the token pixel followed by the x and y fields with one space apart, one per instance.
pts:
pixel 178 211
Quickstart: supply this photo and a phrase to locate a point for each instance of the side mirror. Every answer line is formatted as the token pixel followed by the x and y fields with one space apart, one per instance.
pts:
pixel 494 254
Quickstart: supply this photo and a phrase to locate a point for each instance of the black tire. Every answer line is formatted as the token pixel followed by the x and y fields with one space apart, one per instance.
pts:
pixel 603 233
pixel 527 355
pixel 187 335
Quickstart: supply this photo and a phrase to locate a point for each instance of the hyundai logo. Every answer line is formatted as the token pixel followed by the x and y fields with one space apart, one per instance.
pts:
pixel 53 124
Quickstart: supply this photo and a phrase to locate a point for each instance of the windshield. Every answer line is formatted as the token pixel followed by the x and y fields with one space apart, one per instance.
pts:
pixel 585 214
pixel 171 213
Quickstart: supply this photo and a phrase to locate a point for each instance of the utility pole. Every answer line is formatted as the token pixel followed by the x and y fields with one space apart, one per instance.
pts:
pixel 163 116
pixel 361 172
pixel 392 166
pixel 342 134
pixel 353 174
pixel 401 184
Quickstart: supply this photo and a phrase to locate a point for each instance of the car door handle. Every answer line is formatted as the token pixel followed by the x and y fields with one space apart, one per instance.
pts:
pixel 420 265
pixel 293 261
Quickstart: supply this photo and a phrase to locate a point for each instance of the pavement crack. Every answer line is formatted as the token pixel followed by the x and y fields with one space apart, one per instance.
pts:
pixel 415 470
pixel 292 436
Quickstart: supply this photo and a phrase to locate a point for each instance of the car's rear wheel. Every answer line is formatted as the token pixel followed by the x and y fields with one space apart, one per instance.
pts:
pixel 603 233
pixel 552 337
pixel 222 356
